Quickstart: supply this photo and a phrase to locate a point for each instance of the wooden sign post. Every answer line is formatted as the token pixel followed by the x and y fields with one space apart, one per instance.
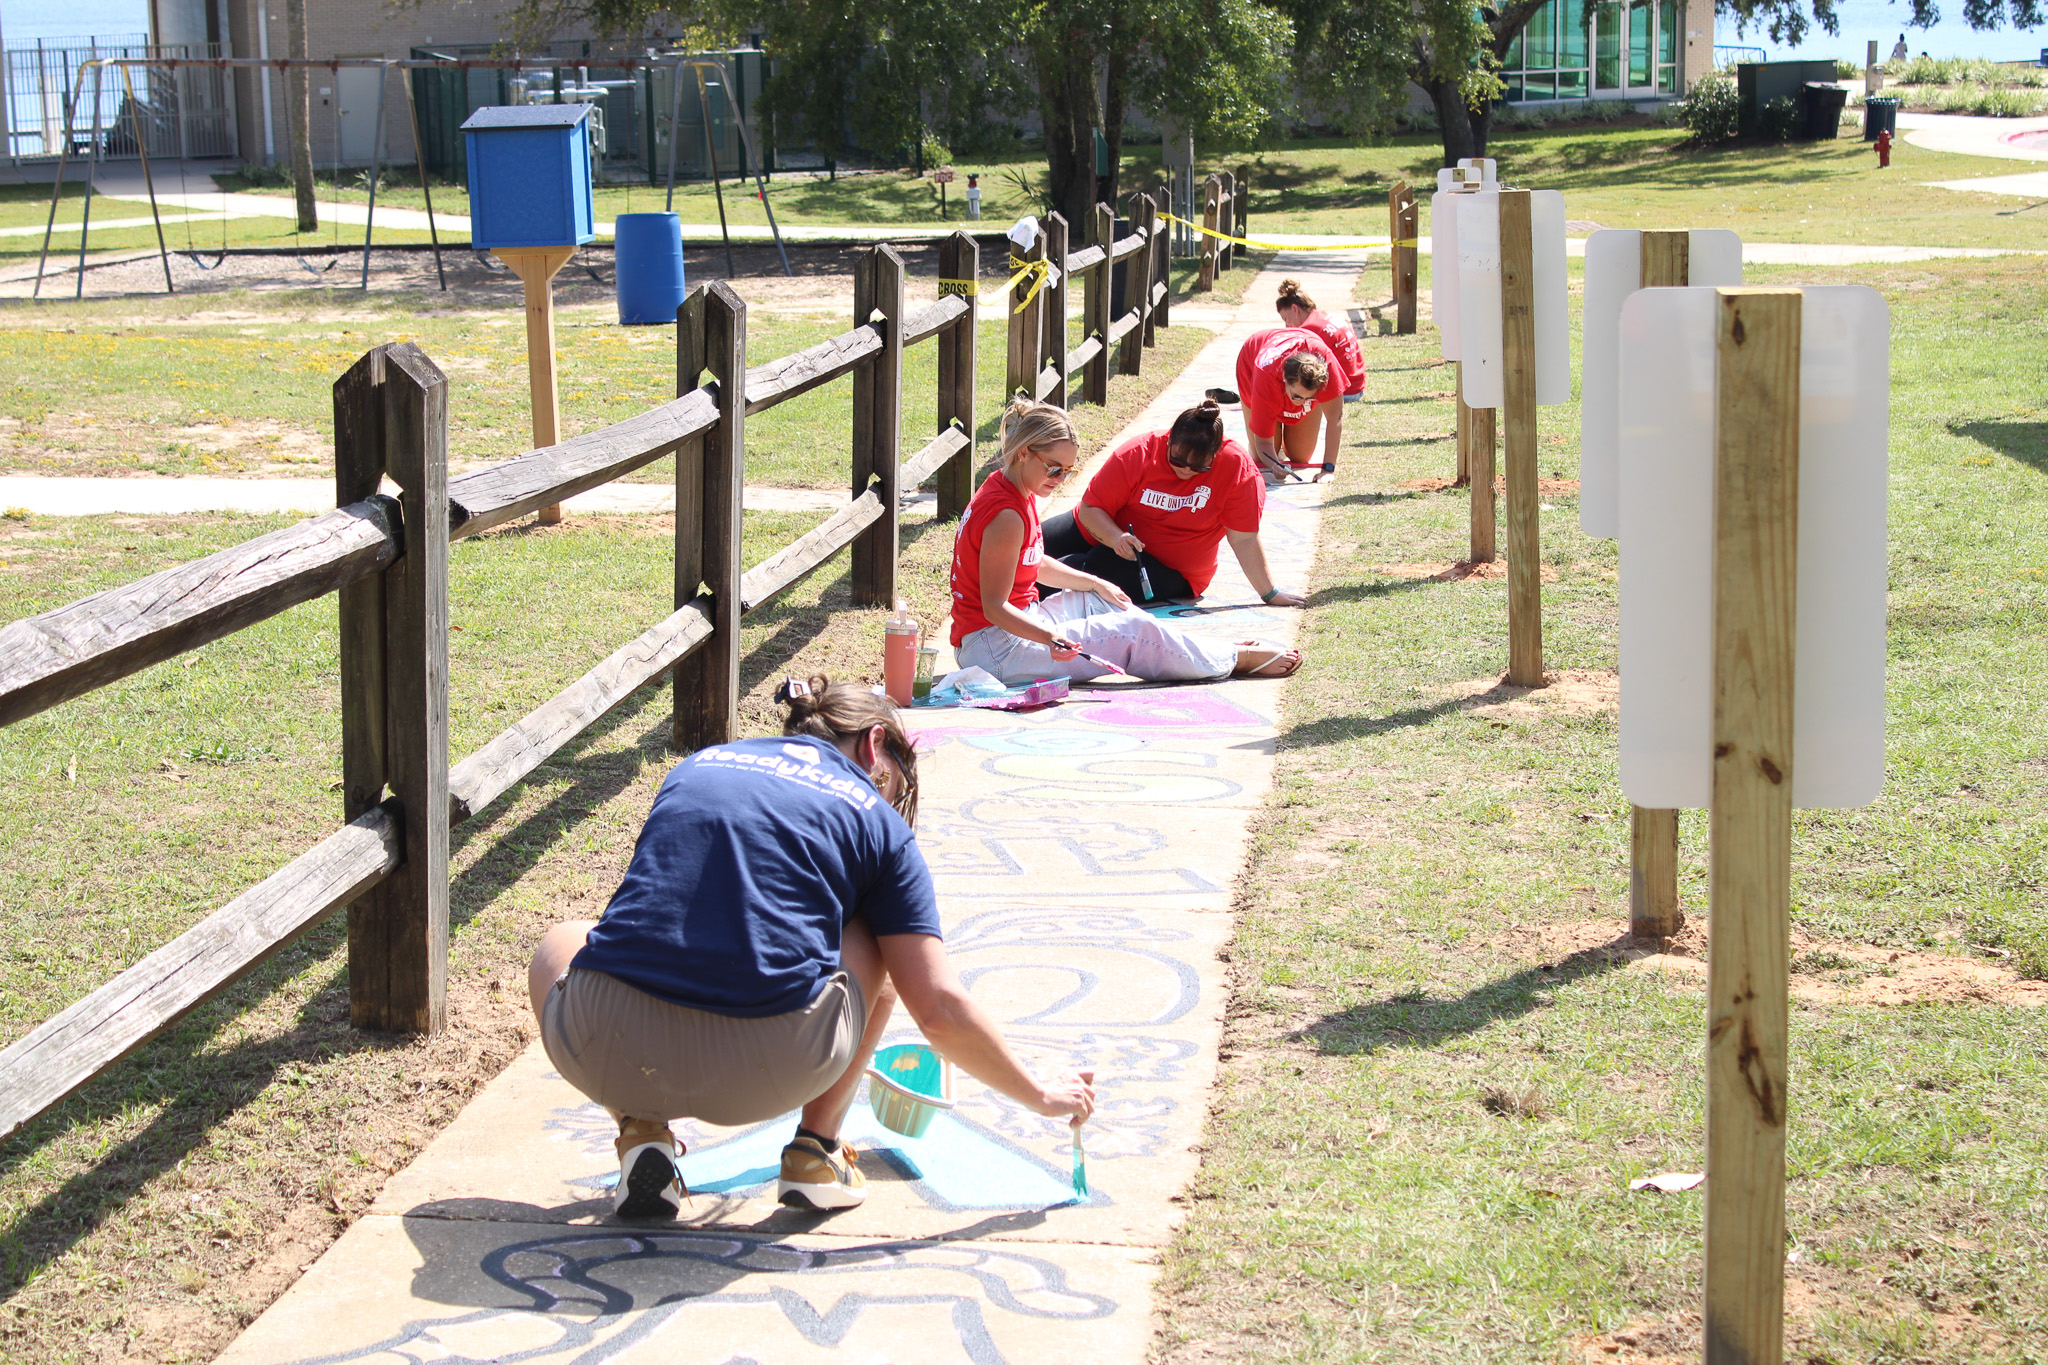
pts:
pixel 1755 538
pixel 536 268
pixel 1403 222
pixel 1518 378
pixel 1653 909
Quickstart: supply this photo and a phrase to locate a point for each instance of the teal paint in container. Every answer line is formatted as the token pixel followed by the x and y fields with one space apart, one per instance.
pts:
pixel 907 1085
pixel 648 264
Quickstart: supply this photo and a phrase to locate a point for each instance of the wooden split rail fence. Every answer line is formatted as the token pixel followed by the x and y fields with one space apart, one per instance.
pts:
pixel 1040 363
pixel 387 558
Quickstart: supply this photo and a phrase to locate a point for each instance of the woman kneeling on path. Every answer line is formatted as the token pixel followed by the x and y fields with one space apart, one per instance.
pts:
pixel 999 621
pixel 1297 309
pixel 775 908
pixel 1158 508
pixel 1287 375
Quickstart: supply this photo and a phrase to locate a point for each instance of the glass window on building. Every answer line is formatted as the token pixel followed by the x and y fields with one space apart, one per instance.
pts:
pixel 1576 49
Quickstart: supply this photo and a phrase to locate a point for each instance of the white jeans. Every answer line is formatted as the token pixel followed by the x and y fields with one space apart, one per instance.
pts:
pixel 1137 642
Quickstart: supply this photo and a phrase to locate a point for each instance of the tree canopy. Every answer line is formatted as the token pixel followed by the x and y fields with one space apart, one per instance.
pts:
pixel 1788 21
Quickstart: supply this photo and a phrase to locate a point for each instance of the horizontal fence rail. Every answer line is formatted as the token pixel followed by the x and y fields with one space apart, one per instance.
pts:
pixel 387 558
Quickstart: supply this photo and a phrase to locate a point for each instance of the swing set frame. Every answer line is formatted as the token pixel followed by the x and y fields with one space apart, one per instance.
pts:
pixel 97 66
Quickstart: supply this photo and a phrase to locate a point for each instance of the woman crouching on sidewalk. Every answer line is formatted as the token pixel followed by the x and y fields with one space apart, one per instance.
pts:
pixel 1002 625
pixel 775 910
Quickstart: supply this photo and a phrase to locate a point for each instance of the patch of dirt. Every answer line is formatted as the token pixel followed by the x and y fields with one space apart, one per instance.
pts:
pixel 1437 571
pixel 1568 692
pixel 1823 972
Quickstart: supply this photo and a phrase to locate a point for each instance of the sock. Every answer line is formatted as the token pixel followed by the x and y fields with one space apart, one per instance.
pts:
pixel 830 1145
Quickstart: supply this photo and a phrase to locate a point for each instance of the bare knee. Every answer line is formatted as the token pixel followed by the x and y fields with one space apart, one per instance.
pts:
pixel 557 947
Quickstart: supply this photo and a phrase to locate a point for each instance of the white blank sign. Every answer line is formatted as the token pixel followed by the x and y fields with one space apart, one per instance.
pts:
pixel 1667 538
pixel 1443 266
pixel 1614 265
pixel 1479 330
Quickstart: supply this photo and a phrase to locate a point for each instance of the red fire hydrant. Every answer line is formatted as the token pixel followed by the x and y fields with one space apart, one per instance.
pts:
pixel 1884 148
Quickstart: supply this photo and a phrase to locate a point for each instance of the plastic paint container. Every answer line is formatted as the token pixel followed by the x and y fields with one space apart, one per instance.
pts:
pixel 899 655
pixel 907 1085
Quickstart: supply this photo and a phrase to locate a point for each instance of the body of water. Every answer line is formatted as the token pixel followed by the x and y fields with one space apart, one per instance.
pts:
pixel 1863 20
pixel 24 21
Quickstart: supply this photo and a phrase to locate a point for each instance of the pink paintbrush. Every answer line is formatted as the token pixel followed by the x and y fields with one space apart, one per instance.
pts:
pixel 1098 662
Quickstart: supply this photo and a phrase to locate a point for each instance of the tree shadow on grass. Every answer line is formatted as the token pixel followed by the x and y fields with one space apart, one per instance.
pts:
pixel 1339 729
pixel 190 1085
pixel 1371 499
pixel 1414 1019
pixel 2026 442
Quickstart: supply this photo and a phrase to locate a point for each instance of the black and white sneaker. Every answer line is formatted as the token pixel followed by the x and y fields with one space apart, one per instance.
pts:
pixel 1223 396
pixel 649 1186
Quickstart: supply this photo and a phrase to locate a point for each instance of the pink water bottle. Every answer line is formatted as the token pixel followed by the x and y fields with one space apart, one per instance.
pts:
pixel 899 655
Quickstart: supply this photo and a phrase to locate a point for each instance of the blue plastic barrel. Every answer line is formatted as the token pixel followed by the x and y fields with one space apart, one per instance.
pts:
pixel 648 262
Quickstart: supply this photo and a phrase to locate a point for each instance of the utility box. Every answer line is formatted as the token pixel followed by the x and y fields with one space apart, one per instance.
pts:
pixel 1758 83
pixel 529 176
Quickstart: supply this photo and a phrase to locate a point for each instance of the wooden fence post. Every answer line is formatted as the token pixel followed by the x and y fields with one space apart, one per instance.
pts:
pixel 1653 909
pixel 1226 214
pixel 1162 263
pixel 1756 512
pixel 878 424
pixel 711 335
pixel 1518 409
pixel 1022 353
pixel 1212 204
pixel 959 259
pixel 397 403
pixel 358 469
pixel 1145 213
pixel 1241 192
pixel 1095 304
pixel 1055 313
pixel 1407 256
pixel 1479 451
pixel 1136 267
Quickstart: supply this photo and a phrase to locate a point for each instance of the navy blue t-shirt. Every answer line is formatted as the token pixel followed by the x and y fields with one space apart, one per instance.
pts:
pixel 755 856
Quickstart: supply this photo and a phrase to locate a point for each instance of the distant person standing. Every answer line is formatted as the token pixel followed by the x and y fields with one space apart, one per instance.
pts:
pixel 1899 49
pixel 973 195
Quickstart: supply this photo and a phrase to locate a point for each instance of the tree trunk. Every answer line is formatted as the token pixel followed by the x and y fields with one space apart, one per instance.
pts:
pixel 1115 101
pixel 1066 96
pixel 1464 133
pixel 298 92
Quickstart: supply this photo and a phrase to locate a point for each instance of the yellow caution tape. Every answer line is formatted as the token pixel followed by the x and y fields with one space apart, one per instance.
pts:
pixel 1038 270
pixel 965 288
pixel 1281 246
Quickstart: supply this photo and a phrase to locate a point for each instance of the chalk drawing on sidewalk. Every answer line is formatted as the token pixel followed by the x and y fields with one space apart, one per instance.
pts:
pixel 1073 763
pixel 1059 853
pixel 588 1297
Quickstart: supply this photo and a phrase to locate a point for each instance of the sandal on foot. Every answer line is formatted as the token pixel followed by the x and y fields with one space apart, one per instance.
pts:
pixel 1281 664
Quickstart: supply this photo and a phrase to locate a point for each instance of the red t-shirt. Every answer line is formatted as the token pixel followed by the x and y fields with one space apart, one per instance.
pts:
pixel 1180 520
pixel 1264 391
pixel 1343 344
pixel 995 494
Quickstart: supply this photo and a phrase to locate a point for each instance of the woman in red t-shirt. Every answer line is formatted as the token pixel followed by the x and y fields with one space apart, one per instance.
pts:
pixel 1285 375
pixel 1297 309
pixel 1158 508
pixel 999 622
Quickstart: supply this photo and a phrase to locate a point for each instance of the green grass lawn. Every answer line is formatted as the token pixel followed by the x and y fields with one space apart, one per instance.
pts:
pixel 1438 1083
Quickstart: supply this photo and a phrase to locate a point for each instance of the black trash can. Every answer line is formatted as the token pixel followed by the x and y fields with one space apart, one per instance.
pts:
pixel 1880 115
pixel 1823 109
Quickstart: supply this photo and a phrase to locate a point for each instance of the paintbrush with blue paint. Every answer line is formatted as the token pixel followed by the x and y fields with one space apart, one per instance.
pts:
pixel 1080 1157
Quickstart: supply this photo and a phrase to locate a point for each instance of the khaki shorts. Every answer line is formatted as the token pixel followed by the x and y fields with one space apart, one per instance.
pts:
pixel 648 1058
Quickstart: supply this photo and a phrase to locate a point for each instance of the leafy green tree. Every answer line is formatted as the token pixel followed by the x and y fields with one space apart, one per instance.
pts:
pixel 1787 21
pixel 903 74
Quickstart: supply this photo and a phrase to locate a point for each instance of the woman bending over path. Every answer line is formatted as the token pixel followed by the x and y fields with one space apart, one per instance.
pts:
pixel 1297 309
pixel 1159 507
pixel 1002 625
pixel 1286 376
pixel 775 909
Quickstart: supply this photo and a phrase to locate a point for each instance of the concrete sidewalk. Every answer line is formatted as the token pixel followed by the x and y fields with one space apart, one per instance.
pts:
pixel 1084 858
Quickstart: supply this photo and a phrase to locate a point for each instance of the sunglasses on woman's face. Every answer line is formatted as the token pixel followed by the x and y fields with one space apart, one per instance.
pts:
pixel 1053 471
pixel 1180 459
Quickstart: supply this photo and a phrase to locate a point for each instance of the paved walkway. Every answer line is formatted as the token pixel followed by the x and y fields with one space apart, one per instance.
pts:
pixel 1084 859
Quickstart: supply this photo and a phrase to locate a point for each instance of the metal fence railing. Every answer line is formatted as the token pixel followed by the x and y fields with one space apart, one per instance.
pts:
pixel 185 112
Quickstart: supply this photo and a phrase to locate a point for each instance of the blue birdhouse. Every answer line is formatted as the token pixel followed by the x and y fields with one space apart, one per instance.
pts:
pixel 529 176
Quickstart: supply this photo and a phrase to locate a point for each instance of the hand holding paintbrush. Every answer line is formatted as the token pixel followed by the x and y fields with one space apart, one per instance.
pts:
pixel 1080 1157
pixel 1079 653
